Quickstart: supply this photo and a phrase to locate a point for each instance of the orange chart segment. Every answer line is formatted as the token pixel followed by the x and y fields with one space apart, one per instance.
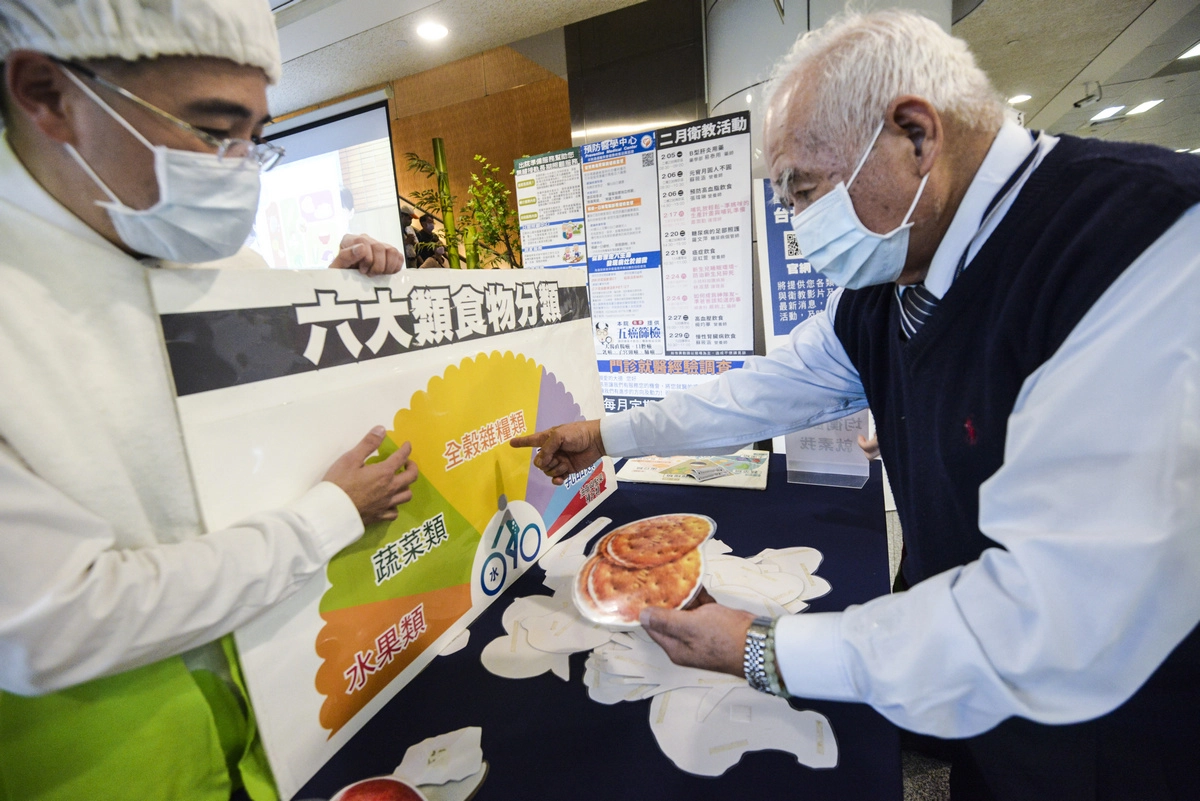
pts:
pixel 365 647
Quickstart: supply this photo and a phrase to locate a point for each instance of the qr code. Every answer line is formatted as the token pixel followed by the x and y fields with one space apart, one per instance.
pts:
pixel 648 159
pixel 790 246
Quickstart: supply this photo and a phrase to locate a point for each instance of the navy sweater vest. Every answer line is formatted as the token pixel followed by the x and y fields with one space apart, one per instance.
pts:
pixel 942 401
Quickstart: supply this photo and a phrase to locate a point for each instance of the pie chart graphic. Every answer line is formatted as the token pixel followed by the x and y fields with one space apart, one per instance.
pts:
pixel 481 513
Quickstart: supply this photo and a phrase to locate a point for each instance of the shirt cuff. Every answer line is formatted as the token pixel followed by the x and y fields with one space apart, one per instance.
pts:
pixel 808 652
pixel 331 516
pixel 616 432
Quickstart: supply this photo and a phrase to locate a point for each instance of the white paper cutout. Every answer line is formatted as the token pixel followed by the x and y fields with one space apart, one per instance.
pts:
pixel 646 663
pixel 562 562
pixel 746 720
pixel 693 712
pixel 606 688
pixel 512 657
pixel 564 632
pixel 457 644
pixel 455 791
pixel 799 562
pixel 452 756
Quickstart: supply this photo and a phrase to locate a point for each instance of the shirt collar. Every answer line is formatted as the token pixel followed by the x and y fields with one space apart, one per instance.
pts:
pixel 1012 144
pixel 22 190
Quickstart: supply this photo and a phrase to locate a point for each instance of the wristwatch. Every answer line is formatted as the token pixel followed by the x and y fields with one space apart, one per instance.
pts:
pixel 758 661
pixel 754 661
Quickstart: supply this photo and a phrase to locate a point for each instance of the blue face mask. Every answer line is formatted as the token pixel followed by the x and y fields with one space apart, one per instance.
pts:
pixel 841 248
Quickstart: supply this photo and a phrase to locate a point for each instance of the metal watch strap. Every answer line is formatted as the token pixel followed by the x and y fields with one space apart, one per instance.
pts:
pixel 774 680
pixel 754 661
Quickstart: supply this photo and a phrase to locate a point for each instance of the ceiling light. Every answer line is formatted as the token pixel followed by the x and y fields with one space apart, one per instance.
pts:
pixel 1108 112
pixel 749 98
pixel 1192 52
pixel 1140 107
pixel 432 31
pixel 1197 150
pixel 1181 150
pixel 1015 99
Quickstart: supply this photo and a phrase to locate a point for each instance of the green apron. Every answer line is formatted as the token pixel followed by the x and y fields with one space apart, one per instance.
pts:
pixel 156 732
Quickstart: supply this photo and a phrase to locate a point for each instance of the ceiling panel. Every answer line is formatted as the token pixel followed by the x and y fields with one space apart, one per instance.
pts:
pixel 1044 49
pixel 393 49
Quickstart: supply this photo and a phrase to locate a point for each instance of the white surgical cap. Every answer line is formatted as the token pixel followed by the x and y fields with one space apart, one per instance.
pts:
pixel 242 31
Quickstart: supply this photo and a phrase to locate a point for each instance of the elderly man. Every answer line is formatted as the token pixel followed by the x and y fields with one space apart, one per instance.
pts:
pixel 1020 314
pixel 131 139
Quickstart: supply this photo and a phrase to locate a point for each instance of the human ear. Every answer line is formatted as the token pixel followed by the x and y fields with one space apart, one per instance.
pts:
pixel 921 125
pixel 35 86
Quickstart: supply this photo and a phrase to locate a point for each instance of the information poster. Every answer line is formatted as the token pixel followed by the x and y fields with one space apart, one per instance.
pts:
pixel 278 374
pixel 704 201
pixel 792 291
pixel 620 192
pixel 550 209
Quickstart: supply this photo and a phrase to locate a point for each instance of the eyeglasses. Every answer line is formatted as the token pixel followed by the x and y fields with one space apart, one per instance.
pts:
pixel 264 154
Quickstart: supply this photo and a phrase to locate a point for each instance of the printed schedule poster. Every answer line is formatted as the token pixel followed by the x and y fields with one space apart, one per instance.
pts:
pixel 792 291
pixel 550 208
pixel 620 193
pixel 278 374
pixel 707 254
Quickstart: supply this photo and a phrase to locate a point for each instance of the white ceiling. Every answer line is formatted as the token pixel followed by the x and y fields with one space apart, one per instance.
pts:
pixel 334 47
pixel 1054 50
pixel 1046 49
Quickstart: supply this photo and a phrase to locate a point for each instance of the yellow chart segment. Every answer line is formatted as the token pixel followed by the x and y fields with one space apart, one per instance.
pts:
pixel 459 428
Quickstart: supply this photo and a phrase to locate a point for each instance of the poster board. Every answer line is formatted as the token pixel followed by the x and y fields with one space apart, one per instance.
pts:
pixel 277 374
pixel 550 210
pixel 792 291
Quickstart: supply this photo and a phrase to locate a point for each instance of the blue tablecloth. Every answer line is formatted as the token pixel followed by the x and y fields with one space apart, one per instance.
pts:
pixel 546 740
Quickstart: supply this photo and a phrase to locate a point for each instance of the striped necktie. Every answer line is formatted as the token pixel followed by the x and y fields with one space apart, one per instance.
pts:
pixel 917 303
pixel 916 306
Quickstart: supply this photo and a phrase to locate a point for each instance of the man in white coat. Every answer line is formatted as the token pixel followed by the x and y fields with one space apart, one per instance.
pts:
pixel 131 140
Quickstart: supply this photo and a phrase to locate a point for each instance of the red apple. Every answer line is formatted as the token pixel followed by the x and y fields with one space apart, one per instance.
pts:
pixel 379 790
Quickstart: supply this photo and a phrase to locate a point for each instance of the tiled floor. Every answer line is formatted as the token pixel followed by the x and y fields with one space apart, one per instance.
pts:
pixel 925 779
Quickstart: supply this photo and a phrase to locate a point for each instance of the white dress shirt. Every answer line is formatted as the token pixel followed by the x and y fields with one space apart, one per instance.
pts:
pixel 1096 504
pixel 104 565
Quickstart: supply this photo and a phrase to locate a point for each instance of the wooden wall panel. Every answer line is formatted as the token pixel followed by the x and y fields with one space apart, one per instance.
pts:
pixel 527 120
pixel 505 68
pixel 441 86
pixel 473 77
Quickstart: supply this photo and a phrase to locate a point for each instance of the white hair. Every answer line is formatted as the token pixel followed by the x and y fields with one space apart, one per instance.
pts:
pixel 862 62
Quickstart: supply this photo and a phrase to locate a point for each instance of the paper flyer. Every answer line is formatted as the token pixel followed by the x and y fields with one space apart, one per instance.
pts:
pixel 277 374
pixel 746 469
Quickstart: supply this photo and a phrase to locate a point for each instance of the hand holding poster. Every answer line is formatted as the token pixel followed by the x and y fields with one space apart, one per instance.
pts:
pixel 277 373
